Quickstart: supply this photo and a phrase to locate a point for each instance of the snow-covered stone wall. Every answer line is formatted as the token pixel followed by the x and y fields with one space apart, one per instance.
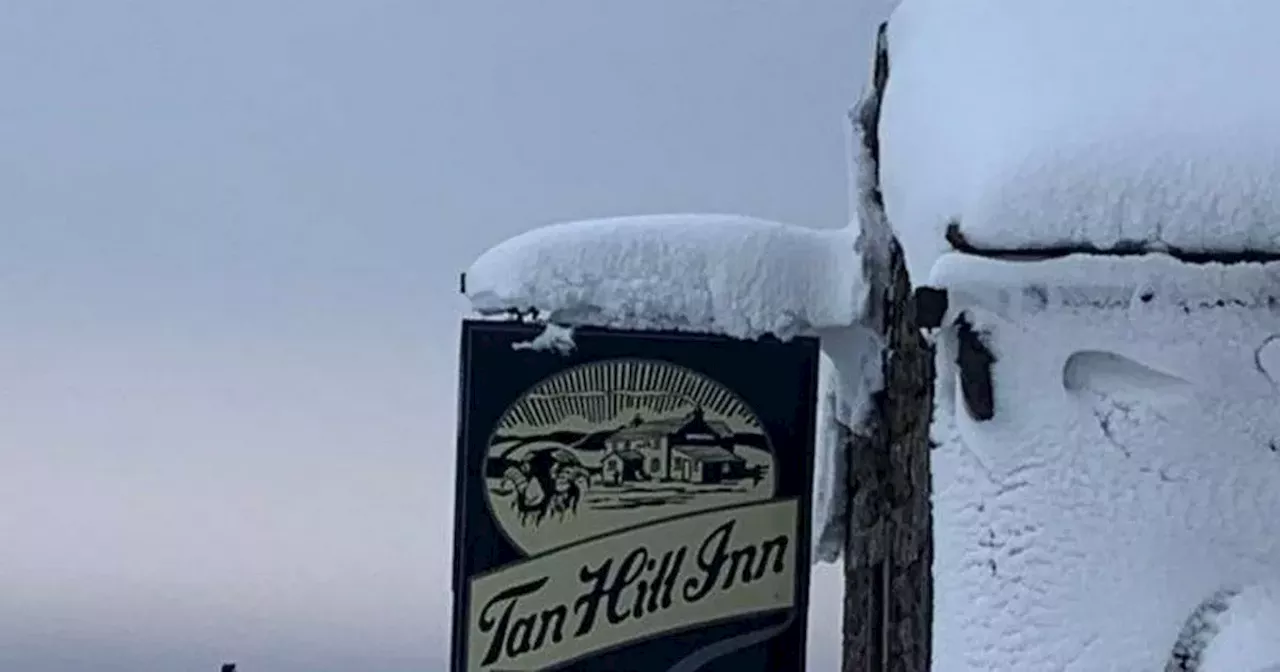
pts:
pixel 1130 471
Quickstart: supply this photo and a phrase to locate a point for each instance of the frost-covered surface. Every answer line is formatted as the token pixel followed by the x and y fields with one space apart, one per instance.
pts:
pixel 724 274
pixel 1049 122
pixel 1247 633
pixel 1130 470
pixel 849 373
pixel 1013 289
pixel 554 337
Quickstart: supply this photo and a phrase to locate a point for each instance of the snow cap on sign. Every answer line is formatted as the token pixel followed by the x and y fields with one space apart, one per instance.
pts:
pixel 723 274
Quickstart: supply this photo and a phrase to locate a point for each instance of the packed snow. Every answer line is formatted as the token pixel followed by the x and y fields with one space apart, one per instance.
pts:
pixel 1129 473
pixel 1147 123
pixel 722 274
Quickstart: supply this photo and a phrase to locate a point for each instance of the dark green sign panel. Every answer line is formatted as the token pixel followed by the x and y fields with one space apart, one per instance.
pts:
pixel 639 503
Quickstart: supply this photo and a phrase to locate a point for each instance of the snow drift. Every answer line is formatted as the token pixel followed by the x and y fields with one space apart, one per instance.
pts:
pixel 1145 124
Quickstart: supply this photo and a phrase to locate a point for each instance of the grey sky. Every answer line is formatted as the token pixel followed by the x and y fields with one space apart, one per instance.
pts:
pixel 231 235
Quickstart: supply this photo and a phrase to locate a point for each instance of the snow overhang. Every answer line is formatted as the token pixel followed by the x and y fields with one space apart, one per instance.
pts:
pixel 722 274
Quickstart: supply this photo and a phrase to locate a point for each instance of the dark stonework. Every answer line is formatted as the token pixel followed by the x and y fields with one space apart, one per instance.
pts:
pixel 888 619
pixel 889 553
pixel 864 569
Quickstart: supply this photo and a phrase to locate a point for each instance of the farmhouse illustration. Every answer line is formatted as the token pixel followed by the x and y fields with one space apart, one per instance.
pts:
pixel 691 449
pixel 619 443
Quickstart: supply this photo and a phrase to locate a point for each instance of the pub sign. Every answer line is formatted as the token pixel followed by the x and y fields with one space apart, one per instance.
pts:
pixel 636 503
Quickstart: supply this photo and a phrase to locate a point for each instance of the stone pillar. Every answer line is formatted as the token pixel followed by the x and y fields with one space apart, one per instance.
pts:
pixel 889 552
pixel 888 617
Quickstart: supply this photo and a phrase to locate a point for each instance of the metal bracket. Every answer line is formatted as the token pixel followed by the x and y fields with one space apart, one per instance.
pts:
pixel 930 306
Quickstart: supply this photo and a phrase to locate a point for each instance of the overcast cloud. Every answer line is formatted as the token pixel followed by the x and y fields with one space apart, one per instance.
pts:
pixel 231 238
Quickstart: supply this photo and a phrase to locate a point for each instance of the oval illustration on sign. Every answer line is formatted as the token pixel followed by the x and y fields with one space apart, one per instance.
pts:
pixel 618 444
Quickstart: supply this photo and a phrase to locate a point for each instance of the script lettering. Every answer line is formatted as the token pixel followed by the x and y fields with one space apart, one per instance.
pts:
pixel 515 635
pixel 715 554
pixel 738 562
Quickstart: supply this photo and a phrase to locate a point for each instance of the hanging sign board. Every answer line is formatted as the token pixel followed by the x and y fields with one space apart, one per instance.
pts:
pixel 636 503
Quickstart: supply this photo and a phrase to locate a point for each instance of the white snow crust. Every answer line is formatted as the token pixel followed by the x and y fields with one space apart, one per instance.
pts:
pixel 1129 473
pixel 1073 122
pixel 553 337
pixel 850 372
pixel 725 274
